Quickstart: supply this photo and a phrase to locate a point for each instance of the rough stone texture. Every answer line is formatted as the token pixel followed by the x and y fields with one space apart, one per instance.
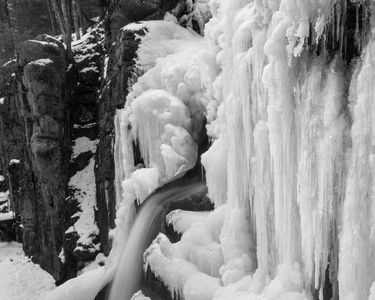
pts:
pixel 31 18
pixel 12 146
pixel 47 106
pixel 3 188
pixel 93 8
pixel 44 111
pixel 42 47
pixel 83 123
pixel 115 89
pixel 123 12
pixel 34 147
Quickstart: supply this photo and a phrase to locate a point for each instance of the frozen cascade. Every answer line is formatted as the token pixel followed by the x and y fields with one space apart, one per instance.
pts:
pixel 291 163
pixel 163 116
pixel 143 230
pixel 357 244
pixel 290 112
pixel 321 173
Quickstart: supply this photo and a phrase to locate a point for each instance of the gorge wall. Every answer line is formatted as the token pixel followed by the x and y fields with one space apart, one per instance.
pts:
pixel 274 97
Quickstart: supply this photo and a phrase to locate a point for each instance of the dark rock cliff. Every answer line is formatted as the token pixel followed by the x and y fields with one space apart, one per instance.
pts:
pixel 24 19
pixel 119 69
pixel 34 147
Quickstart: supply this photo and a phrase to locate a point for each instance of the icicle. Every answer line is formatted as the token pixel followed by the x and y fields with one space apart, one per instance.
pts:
pixel 263 203
pixel 321 156
pixel 277 167
pixel 356 263
pixel 278 81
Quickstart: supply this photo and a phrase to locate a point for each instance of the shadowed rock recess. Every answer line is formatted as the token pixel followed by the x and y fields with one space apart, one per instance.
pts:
pixel 57 125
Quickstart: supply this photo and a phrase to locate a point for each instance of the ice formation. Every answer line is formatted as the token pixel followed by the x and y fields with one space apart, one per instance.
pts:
pixel 163 115
pixel 356 264
pixel 290 157
pixel 291 116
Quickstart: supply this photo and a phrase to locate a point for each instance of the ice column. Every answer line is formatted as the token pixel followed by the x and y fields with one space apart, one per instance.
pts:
pixel 357 247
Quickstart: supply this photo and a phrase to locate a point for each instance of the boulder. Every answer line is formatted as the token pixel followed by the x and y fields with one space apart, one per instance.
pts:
pixel 128 11
pixel 42 47
pixel 42 107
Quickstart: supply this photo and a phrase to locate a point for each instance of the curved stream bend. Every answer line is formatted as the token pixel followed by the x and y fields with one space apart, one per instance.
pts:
pixel 145 228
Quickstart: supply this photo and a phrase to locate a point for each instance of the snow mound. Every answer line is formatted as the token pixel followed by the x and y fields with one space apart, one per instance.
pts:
pixel 83 287
pixel 21 279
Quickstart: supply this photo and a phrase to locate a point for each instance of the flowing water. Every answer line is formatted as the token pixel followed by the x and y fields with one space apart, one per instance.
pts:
pixel 146 226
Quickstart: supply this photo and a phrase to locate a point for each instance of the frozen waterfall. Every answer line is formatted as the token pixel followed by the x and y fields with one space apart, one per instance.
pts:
pixel 287 91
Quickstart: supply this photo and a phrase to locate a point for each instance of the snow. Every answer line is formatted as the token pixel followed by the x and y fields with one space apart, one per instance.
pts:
pixel 90 69
pixel 4 195
pixel 4 199
pixel 83 144
pixel 83 287
pixel 83 186
pixel 7 216
pixel 47 43
pixel 62 256
pixel 14 161
pixel 136 26
pixel 105 69
pixel 20 279
pixel 89 125
pixel 85 226
pixel 139 296
pixel 8 63
pixel 43 61
pixel 85 48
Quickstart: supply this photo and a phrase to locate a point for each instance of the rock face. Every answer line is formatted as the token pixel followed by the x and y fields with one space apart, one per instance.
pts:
pixel 12 141
pixel 93 8
pixel 48 117
pixel 120 67
pixel 24 19
pixel 35 148
pixel 44 112
pixel 123 12
pixel 82 241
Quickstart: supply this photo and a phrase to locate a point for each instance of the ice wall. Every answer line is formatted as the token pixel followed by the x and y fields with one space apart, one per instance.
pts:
pixel 291 164
pixel 356 263
pixel 163 116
